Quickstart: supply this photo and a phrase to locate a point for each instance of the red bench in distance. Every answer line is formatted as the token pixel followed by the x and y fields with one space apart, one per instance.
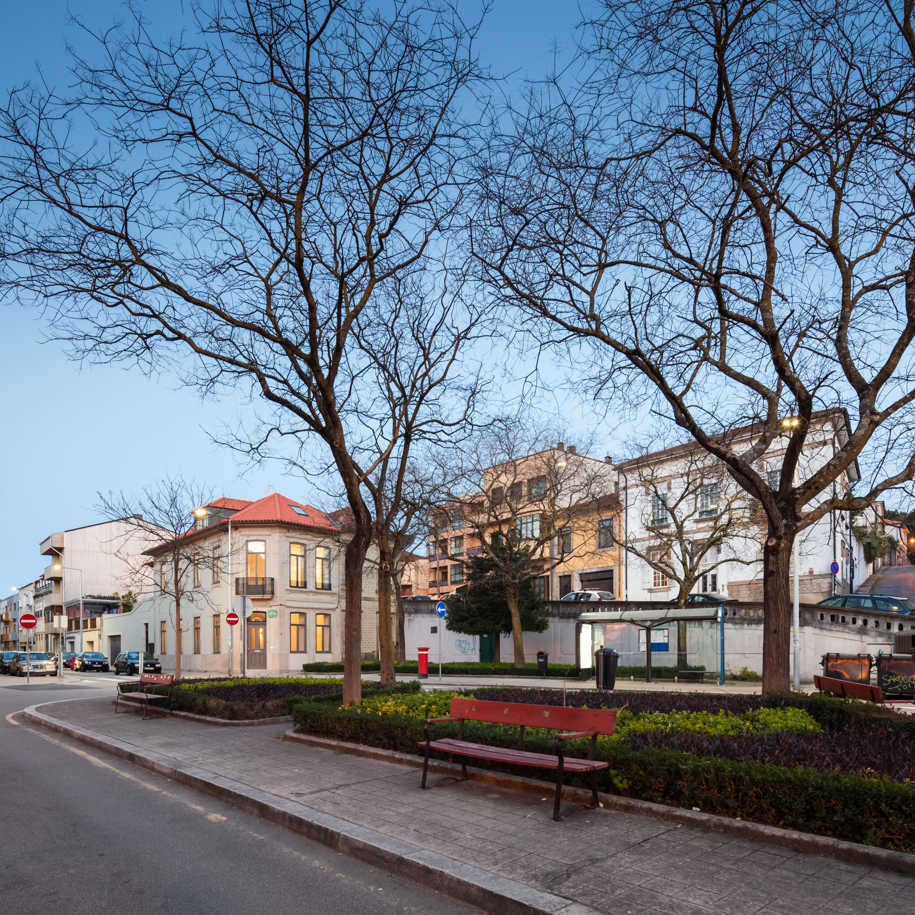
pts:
pixel 848 689
pixel 143 695
pixel 574 722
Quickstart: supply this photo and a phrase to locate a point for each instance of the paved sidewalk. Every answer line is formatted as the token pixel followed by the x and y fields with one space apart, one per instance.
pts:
pixel 604 860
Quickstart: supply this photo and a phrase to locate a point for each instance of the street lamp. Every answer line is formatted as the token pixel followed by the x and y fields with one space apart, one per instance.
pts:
pixel 200 513
pixel 789 424
pixel 63 608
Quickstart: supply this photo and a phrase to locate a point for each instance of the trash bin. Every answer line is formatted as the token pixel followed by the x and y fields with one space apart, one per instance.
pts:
pixel 853 667
pixel 605 661
pixel 542 661
pixel 896 675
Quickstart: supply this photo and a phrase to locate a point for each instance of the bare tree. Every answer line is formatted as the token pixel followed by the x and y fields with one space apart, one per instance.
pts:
pixel 163 515
pixel 247 196
pixel 527 498
pixel 695 519
pixel 718 201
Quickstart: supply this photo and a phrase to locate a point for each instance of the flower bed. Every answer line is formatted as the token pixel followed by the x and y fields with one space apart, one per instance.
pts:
pixel 803 762
pixel 247 699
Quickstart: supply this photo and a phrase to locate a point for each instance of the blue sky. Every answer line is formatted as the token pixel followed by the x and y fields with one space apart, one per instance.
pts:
pixel 70 431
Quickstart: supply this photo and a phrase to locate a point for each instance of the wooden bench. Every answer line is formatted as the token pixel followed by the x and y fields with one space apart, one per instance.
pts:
pixel 848 689
pixel 575 722
pixel 143 695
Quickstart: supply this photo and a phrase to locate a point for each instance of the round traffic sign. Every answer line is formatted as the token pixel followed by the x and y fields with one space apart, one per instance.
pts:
pixel 834 568
pixel 231 617
pixel 441 608
pixel 27 620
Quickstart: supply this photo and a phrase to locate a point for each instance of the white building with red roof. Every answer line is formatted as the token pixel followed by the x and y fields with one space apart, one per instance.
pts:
pixel 278 565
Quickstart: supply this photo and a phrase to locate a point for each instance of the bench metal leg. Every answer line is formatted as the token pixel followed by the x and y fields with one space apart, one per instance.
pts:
pixel 558 796
pixel 425 767
pixel 594 802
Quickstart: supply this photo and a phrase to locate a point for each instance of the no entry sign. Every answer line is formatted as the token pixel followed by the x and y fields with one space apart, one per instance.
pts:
pixel 232 618
pixel 27 620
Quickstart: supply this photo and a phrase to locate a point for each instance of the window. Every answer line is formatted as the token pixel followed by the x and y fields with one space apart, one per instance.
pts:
pixel 217 633
pixel 708 500
pixel 296 565
pixel 162 641
pixel 773 477
pixel 297 623
pixel 528 527
pixel 658 578
pixel 658 509
pixel 322 633
pixel 498 495
pixel 457 546
pixel 217 563
pixel 709 582
pixel 565 585
pixel 605 533
pixel 299 510
pixel 565 541
pixel 196 635
pixel 456 518
pixel 257 559
pixel 162 579
pixel 536 487
pixel 457 574
pixel 196 570
pixel 541 586
pixel 430 548
pixel 514 492
pixel 322 571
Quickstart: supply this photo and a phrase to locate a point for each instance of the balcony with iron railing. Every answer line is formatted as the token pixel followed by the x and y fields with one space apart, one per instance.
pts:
pixel 43 586
pixel 254 587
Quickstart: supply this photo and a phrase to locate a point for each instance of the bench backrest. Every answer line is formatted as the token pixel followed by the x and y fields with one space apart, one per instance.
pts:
pixel 830 685
pixel 158 679
pixel 554 717
pixel 848 689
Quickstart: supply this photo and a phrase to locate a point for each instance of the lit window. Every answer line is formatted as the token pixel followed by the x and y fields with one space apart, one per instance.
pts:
pixel 297 631
pixel 322 633
pixel 322 569
pixel 257 559
pixel 296 565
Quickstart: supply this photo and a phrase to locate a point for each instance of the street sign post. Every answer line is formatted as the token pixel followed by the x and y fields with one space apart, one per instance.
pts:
pixel 834 568
pixel 441 608
pixel 28 621
pixel 232 618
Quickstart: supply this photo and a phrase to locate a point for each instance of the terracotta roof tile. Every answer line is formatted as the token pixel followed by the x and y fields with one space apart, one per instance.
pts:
pixel 279 509
pixel 231 504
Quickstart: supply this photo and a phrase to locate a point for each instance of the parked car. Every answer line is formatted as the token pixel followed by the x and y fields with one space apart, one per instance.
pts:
pixel 68 659
pixel 5 659
pixel 589 595
pixel 128 662
pixel 418 597
pixel 37 663
pixel 709 597
pixel 90 660
pixel 884 603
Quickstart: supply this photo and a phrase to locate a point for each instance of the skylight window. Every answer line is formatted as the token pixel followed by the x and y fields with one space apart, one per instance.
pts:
pixel 299 510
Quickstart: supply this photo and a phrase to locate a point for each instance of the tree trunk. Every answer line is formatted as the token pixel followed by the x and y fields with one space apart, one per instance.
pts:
pixel 497 648
pixel 682 646
pixel 385 629
pixel 648 655
pixel 777 610
pixel 511 596
pixel 354 562
pixel 400 647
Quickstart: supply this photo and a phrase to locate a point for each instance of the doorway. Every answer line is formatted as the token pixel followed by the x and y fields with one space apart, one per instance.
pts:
pixel 114 648
pixel 487 649
pixel 257 641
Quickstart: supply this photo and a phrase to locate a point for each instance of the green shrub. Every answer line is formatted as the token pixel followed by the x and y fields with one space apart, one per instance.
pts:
pixel 720 724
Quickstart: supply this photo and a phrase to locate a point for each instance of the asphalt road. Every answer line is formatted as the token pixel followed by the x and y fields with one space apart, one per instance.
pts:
pixel 896 580
pixel 86 832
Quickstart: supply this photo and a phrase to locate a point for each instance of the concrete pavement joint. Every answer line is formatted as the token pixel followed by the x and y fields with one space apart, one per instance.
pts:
pixel 478 887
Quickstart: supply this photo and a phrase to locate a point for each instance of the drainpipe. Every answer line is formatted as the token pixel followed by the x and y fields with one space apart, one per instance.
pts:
pixel 622 473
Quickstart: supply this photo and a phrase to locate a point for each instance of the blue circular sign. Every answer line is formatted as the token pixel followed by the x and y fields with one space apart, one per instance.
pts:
pixel 441 608
pixel 834 568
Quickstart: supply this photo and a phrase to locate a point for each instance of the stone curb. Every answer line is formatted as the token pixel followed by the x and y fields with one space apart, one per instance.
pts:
pixel 490 892
pixel 840 849
pixel 208 719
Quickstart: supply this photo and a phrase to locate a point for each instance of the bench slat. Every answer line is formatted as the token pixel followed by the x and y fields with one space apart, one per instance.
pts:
pixel 553 717
pixel 508 755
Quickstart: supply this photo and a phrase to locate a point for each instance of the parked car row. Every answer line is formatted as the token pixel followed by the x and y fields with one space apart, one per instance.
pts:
pixel 885 603
pixel 127 662
pixel 19 663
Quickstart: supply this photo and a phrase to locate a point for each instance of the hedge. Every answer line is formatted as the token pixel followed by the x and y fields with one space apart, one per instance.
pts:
pixel 874 810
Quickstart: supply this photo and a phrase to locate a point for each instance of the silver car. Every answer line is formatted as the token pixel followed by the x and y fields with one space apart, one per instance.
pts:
pixel 37 663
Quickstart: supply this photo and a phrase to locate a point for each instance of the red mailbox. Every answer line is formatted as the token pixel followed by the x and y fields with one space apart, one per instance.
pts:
pixel 423 658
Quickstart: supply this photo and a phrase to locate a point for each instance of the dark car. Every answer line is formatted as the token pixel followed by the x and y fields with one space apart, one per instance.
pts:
pixel 90 660
pixel 708 597
pixel 69 657
pixel 882 603
pixel 128 662
pixel 5 658
pixel 37 663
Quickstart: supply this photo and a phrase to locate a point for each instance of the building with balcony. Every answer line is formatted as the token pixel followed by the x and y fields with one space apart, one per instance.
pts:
pixel 278 564
pixel 89 567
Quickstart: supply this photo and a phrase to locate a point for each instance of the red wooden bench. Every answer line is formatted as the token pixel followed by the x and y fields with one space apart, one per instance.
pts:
pixel 848 689
pixel 575 722
pixel 143 695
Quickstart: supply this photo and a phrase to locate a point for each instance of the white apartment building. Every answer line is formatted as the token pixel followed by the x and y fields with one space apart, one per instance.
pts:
pixel 89 568
pixel 278 564
pixel 683 485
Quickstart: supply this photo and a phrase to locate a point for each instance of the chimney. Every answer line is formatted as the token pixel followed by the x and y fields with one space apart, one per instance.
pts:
pixel 560 446
pixel 571 449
